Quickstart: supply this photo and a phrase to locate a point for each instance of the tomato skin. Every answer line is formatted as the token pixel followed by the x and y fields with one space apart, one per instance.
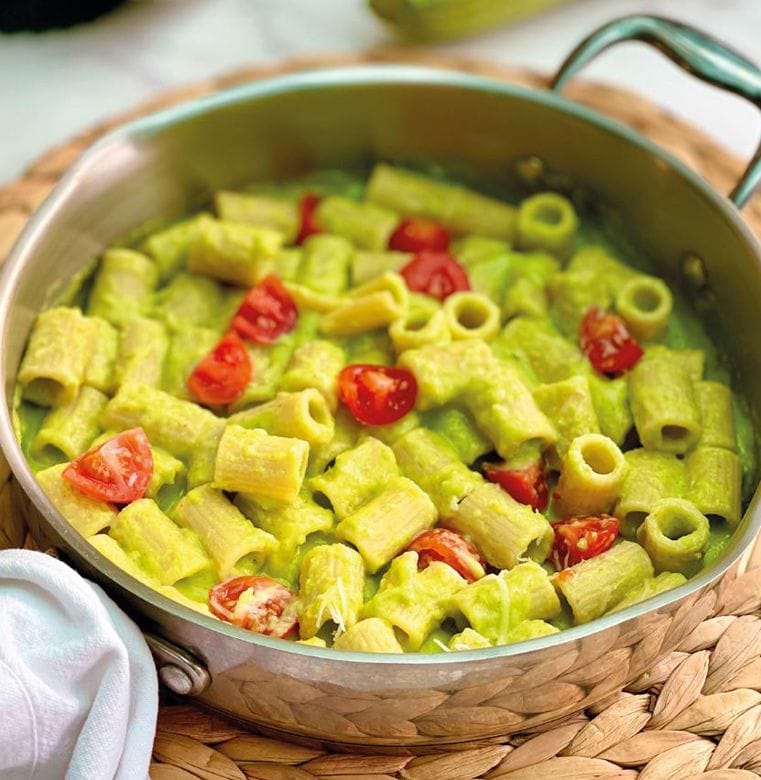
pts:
pixel 267 312
pixel 269 609
pixel 527 485
pixel 416 234
pixel 436 274
pixel 582 537
pixel 308 227
pixel 221 376
pixel 450 547
pixel 607 343
pixel 377 395
pixel 118 471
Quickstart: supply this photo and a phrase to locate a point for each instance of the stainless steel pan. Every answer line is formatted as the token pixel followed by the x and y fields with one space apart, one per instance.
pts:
pixel 170 163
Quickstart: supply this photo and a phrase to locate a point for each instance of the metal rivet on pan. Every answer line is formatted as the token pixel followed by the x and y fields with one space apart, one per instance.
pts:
pixel 177 680
pixel 694 271
pixel 530 170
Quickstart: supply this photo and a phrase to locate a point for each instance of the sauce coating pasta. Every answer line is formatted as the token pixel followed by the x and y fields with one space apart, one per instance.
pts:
pixel 389 415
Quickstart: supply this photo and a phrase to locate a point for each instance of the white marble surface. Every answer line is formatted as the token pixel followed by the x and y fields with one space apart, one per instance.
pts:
pixel 57 83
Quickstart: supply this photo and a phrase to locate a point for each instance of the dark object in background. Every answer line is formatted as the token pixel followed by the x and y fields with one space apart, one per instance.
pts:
pixel 37 15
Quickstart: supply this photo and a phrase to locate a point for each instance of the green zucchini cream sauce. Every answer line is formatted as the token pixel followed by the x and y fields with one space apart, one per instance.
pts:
pixel 684 331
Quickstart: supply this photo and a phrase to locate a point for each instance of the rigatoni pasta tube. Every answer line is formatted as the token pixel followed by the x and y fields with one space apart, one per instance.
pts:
pixel 715 403
pixel 358 475
pixel 303 415
pixel 366 225
pixel 376 304
pixel 165 551
pixel 413 601
pixel 189 300
pixel 230 252
pixel 644 303
pixel 714 477
pixel 385 525
pixel 468 639
pixel 235 545
pixel 315 364
pixel 538 343
pixel 504 409
pixel 431 462
pixel 254 462
pixel 650 477
pixel 597 260
pixel 179 426
pixel 367 265
pixel 142 350
pixel 650 587
pixel 331 585
pixel 591 475
pixel 85 514
pixel 573 293
pixel 56 359
pixel 504 530
pixel 169 247
pixel 663 403
pixel 462 210
pixel 594 586
pixel 443 372
pixel 610 398
pixel 569 407
pixel 419 328
pixel 497 603
pixel 325 268
pixel 675 534
pixel 371 635
pixel 72 427
pixel 471 315
pixel 112 550
pixel 547 221
pixel 123 286
pixel 105 345
pixel 281 214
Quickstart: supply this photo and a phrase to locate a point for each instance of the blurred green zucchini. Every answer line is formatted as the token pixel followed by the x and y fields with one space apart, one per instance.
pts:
pixel 435 20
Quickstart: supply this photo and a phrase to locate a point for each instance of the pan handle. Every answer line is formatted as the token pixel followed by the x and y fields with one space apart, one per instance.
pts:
pixel 699 54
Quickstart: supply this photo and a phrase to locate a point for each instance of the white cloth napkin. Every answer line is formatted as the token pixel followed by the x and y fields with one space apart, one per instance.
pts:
pixel 78 689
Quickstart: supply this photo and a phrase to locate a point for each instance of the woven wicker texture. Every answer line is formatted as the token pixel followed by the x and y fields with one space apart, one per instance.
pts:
pixel 696 714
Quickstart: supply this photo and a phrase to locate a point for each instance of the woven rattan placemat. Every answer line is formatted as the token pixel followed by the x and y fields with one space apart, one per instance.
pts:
pixel 696 714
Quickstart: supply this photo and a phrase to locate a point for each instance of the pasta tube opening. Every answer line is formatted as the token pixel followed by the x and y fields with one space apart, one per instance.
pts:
pixel 674 535
pixel 591 475
pixel 645 305
pixel 471 316
pixel 547 221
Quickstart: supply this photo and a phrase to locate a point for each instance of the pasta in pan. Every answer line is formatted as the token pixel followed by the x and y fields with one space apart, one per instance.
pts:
pixel 422 419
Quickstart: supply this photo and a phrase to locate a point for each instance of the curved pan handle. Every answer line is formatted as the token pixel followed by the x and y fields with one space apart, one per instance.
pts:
pixel 694 51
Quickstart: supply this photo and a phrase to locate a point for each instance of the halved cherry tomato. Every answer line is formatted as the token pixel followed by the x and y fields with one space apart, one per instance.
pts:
pixel 436 274
pixel 606 342
pixel 450 547
pixel 415 235
pixel 377 395
pixel 267 312
pixel 308 227
pixel 255 603
pixel 223 374
pixel 118 470
pixel 527 485
pixel 579 538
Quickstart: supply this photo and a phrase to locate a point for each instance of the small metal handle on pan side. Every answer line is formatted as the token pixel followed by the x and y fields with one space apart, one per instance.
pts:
pixel 694 51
